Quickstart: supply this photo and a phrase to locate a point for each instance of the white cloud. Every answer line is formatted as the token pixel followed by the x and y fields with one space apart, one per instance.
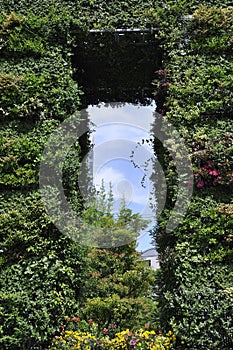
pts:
pixel 125 186
pixel 141 116
pixel 114 131
pixel 108 174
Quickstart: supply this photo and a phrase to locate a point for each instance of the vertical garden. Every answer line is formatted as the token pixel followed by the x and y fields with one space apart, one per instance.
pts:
pixel 48 281
pixel 194 90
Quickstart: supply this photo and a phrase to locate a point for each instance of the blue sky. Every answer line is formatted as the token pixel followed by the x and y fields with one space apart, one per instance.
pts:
pixel 117 130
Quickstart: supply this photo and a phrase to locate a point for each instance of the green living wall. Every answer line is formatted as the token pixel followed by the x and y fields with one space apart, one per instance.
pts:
pixel 45 276
pixel 194 92
pixel 41 276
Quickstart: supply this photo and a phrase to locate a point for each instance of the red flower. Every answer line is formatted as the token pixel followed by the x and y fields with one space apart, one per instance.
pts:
pixel 200 184
pixel 90 321
pixel 76 319
pixel 105 330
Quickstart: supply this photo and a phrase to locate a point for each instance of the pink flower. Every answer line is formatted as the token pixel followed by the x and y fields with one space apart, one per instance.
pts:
pixel 214 172
pixel 105 330
pixel 161 71
pixel 166 85
pixel 200 184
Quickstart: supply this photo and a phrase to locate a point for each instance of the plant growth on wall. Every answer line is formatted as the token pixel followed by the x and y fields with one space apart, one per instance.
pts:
pixel 45 276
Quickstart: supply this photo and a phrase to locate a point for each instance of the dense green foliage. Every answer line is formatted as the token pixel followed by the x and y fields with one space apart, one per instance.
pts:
pixel 41 274
pixel 118 285
pixel 45 276
pixel 194 92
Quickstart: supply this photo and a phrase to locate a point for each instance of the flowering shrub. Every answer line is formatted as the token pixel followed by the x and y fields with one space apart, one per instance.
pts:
pixel 212 155
pixel 209 175
pixel 77 335
pixel 141 339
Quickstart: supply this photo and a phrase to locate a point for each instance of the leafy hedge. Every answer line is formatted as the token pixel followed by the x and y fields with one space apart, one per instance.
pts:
pixel 42 271
pixel 194 92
